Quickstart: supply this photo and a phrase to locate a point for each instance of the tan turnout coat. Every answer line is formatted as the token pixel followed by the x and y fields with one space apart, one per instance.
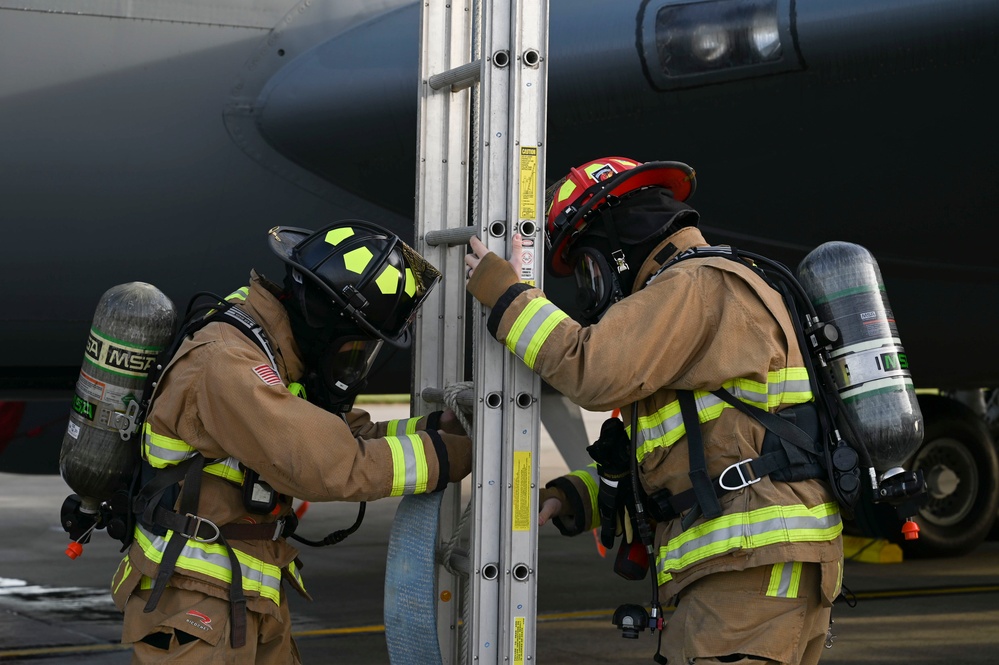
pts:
pixel 699 324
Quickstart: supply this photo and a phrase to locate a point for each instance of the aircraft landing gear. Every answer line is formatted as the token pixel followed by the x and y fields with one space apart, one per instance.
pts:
pixel 959 462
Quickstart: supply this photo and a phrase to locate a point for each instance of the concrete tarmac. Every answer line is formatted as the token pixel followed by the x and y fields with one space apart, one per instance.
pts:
pixel 55 610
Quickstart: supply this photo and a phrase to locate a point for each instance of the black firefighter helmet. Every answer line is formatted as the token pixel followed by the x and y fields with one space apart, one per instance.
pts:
pixel 352 285
pixel 364 271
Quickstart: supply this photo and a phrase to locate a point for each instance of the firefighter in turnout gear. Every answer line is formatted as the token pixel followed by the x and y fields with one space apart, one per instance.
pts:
pixel 203 580
pixel 753 563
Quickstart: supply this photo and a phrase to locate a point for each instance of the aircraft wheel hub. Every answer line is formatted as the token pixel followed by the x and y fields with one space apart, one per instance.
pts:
pixel 951 481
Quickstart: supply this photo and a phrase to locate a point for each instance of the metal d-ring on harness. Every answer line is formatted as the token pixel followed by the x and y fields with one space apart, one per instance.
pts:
pixel 154 500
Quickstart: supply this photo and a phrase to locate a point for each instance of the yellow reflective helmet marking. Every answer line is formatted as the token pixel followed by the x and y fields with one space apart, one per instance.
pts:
pixel 358 259
pixel 565 191
pixel 388 281
pixel 336 236
pixel 410 283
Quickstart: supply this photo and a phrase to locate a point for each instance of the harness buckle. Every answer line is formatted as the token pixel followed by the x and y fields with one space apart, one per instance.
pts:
pixel 278 529
pixel 198 521
pixel 745 482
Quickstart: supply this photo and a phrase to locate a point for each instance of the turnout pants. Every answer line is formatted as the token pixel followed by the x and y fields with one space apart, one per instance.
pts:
pixel 193 628
pixel 769 614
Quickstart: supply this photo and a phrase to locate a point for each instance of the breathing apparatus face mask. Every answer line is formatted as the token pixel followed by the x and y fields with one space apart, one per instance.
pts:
pixel 344 366
pixel 607 256
pixel 337 355
pixel 597 285
pixel 338 370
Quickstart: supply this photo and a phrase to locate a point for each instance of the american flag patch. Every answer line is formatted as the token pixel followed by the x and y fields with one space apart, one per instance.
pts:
pixel 267 374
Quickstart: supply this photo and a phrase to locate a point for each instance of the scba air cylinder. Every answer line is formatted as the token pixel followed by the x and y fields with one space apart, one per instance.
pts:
pixel 868 363
pixel 132 324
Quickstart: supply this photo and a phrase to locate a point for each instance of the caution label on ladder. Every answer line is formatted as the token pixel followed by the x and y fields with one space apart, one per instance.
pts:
pixel 518 641
pixel 521 491
pixel 528 209
pixel 528 186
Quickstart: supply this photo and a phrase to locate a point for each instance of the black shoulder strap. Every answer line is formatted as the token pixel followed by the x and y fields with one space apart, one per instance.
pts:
pixel 707 500
pixel 779 426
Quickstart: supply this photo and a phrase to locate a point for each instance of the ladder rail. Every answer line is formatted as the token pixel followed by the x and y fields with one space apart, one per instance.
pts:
pixel 484 87
pixel 441 199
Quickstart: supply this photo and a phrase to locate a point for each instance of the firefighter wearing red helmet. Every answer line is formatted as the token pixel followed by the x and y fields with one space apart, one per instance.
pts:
pixel 251 414
pixel 752 564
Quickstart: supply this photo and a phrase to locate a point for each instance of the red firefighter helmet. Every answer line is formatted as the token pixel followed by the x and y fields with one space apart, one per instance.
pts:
pixel 599 182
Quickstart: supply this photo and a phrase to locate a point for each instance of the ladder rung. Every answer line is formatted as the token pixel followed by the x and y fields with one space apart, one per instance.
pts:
pixel 460 562
pixel 458 78
pixel 436 396
pixel 450 237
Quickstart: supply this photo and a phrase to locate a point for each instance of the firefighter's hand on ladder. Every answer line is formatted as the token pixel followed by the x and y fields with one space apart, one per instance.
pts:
pixel 450 423
pixel 551 504
pixel 479 250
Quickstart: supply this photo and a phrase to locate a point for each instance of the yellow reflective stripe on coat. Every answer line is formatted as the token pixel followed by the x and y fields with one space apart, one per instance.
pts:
pixel 162 451
pixel 296 575
pixel 748 530
pixel 402 427
pixel 785 578
pixel 227 469
pixel 125 567
pixel 532 328
pixel 591 479
pixel 665 427
pixel 409 464
pixel 212 559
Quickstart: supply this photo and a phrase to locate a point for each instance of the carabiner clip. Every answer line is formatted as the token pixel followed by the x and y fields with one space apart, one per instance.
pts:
pixel 742 476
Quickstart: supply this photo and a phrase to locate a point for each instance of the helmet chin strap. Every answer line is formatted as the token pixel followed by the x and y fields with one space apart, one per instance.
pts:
pixel 617 260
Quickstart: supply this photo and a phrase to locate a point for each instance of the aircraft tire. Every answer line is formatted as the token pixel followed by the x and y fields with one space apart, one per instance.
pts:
pixel 959 461
pixel 961 466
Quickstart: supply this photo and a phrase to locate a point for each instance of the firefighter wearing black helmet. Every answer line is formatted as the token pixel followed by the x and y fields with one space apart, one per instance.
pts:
pixel 753 563
pixel 203 580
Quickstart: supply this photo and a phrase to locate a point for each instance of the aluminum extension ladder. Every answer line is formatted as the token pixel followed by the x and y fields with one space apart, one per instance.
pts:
pixel 483 100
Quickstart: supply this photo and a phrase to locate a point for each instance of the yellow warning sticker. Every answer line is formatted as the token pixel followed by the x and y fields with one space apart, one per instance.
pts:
pixel 518 640
pixel 528 183
pixel 522 491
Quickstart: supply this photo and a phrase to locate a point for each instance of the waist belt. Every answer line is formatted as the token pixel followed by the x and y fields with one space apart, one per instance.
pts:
pixel 205 531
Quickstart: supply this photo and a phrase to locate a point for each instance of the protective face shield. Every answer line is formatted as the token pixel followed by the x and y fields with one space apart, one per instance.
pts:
pixel 337 359
pixel 597 285
pixel 343 368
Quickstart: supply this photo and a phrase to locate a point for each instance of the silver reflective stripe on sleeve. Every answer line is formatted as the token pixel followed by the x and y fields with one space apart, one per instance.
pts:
pixel 402 427
pixel 409 464
pixel 532 328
